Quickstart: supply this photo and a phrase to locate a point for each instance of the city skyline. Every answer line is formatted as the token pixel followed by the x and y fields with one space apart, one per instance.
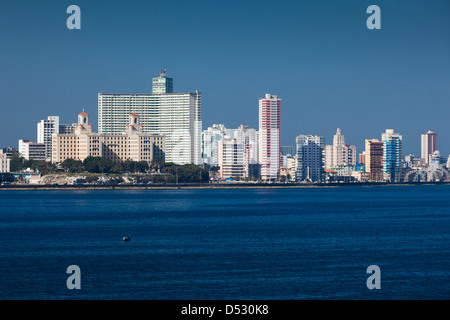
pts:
pixel 52 119
pixel 319 58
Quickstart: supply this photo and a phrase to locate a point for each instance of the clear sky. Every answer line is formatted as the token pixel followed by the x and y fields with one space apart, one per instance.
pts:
pixel 318 56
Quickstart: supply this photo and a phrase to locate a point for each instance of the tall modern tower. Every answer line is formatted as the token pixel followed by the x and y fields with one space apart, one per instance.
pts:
pixel 373 159
pixel 392 155
pixel 310 162
pixel 45 129
pixel 428 145
pixel 175 115
pixel 270 137
pixel 162 84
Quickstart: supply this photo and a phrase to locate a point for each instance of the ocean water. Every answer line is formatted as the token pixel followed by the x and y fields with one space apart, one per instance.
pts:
pixel 303 243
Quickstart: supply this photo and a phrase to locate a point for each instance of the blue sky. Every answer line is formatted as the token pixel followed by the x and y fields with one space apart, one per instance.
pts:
pixel 318 56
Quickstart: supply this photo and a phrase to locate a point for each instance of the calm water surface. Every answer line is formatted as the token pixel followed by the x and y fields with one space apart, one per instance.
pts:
pixel 227 244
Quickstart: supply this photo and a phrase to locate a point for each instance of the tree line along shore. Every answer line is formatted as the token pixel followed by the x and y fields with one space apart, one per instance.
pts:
pixel 97 170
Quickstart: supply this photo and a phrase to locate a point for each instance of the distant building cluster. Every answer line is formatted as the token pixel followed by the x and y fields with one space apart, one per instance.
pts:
pixel 167 126
pixel 241 153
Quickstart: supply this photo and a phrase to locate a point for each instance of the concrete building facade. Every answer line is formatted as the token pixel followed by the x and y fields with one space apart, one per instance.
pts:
pixel 231 158
pixel 5 162
pixel 310 158
pixel 249 138
pixel 133 144
pixel 373 161
pixel 45 130
pixel 428 145
pixel 339 154
pixel 32 150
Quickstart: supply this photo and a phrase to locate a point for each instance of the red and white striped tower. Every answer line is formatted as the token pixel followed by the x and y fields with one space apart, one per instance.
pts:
pixel 270 137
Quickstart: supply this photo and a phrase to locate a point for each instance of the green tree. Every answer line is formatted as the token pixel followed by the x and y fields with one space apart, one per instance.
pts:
pixel 141 166
pixel 71 165
pixel 188 173
pixel 17 162
pixel 129 166
pixel 44 167
pixel 117 168
pixel 156 165
pixel 97 165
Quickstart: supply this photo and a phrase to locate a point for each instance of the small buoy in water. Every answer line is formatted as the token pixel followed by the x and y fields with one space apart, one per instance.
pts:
pixel 126 238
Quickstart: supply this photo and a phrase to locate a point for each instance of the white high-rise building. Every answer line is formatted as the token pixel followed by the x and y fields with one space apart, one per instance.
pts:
pixel 310 164
pixel 45 129
pixel 339 154
pixel 270 137
pixel 175 115
pixel 4 162
pixel 210 143
pixel 31 150
pixel 249 138
pixel 231 158
pixel 428 145
pixel 392 155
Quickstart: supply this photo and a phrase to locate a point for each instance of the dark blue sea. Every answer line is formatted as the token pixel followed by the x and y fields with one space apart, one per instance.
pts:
pixel 276 243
